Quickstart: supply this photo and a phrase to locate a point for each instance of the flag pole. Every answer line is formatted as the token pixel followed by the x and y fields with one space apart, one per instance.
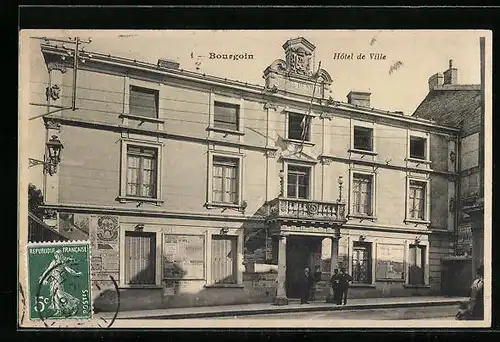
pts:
pixel 307 119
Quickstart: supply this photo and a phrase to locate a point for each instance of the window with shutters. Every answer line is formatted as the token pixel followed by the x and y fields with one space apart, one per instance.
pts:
pixel 226 116
pixel 298 182
pixel 141 171
pixel 224 259
pixel 362 194
pixel 417 200
pixel 140 258
pixel 143 102
pixel 225 182
pixel 416 264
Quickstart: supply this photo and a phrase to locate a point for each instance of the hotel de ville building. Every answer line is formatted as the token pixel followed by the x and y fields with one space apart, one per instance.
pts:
pixel 199 190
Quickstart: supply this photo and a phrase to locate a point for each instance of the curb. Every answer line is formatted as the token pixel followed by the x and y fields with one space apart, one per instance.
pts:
pixel 279 310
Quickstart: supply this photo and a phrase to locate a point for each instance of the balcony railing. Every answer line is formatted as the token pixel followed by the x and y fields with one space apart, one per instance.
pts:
pixel 306 209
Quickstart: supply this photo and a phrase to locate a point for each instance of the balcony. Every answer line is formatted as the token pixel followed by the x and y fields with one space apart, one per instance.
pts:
pixel 306 210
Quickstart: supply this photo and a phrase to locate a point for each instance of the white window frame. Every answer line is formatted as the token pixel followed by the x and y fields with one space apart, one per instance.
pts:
pixel 126 103
pixel 419 134
pixel 298 112
pixel 363 124
pixel 229 100
pixel 407 263
pixel 123 197
pixel 158 260
pixel 427 209
pixel 373 174
pixel 237 156
pixel 310 166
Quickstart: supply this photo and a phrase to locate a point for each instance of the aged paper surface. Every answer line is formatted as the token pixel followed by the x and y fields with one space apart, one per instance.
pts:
pixel 204 170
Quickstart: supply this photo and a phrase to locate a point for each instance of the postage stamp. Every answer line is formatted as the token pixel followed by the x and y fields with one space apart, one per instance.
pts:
pixel 59 280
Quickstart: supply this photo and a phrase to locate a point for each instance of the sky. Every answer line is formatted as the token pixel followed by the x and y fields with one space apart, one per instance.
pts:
pixel 422 54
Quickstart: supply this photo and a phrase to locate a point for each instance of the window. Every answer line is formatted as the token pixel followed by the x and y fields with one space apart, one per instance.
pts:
pixel 362 194
pixel 226 115
pixel 298 182
pixel 143 102
pixel 416 264
pixel 361 262
pixel 418 147
pixel 299 127
pixel 140 256
pixel 224 259
pixel 363 138
pixel 225 180
pixel 416 200
pixel 141 171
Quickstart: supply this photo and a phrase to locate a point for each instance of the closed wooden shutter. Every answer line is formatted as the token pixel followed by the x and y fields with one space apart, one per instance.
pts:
pixel 224 259
pixel 226 116
pixel 140 256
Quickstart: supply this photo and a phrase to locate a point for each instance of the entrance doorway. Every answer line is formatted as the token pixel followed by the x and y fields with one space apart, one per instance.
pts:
pixel 301 252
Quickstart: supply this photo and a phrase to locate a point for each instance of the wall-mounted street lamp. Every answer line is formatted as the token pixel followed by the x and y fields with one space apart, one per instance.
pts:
pixel 340 181
pixel 54 147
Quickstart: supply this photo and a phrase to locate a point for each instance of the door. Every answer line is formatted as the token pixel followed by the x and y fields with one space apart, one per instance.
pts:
pixel 297 258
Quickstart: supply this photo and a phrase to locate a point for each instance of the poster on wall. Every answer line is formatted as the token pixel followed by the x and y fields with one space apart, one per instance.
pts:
pixel 183 256
pixel 390 262
pixel 104 234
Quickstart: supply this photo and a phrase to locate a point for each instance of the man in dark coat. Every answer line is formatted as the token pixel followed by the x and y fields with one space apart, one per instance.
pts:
pixel 306 283
pixel 335 282
pixel 345 279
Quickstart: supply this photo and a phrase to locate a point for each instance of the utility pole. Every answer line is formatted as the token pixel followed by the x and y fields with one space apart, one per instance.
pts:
pixel 77 57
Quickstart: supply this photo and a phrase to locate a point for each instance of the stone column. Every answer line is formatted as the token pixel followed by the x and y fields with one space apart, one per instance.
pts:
pixel 333 265
pixel 281 298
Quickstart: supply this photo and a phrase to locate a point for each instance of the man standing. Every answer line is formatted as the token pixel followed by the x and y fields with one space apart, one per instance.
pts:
pixel 335 283
pixel 477 296
pixel 305 286
pixel 345 279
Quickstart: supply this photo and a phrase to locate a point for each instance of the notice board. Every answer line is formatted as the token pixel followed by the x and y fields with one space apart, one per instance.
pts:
pixel 183 256
pixel 390 262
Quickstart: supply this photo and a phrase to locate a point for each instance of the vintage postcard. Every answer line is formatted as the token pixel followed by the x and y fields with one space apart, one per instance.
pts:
pixel 293 178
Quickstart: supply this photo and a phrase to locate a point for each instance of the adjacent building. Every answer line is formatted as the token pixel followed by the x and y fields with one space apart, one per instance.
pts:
pixel 462 106
pixel 200 190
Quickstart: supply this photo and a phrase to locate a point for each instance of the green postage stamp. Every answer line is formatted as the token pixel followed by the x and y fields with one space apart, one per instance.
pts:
pixel 59 280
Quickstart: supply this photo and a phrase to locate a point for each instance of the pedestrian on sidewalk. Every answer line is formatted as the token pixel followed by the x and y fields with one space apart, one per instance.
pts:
pixel 477 296
pixel 335 283
pixel 305 286
pixel 345 279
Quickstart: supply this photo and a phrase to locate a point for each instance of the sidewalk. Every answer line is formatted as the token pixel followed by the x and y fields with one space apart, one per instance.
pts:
pixel 293 306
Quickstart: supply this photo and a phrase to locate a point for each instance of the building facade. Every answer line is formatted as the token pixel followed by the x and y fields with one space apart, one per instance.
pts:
pixel 198 190
pixel 462 106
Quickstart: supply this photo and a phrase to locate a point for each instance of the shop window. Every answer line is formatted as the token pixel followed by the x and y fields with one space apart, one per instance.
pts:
pixel 224 259
pixel 140 258
pixel 362 262
pixel 416 264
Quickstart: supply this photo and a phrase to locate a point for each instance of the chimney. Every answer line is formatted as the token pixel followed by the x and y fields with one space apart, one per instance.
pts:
pixel 435 81
pixel 359 98
pixel 167 64
pixel 451 75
